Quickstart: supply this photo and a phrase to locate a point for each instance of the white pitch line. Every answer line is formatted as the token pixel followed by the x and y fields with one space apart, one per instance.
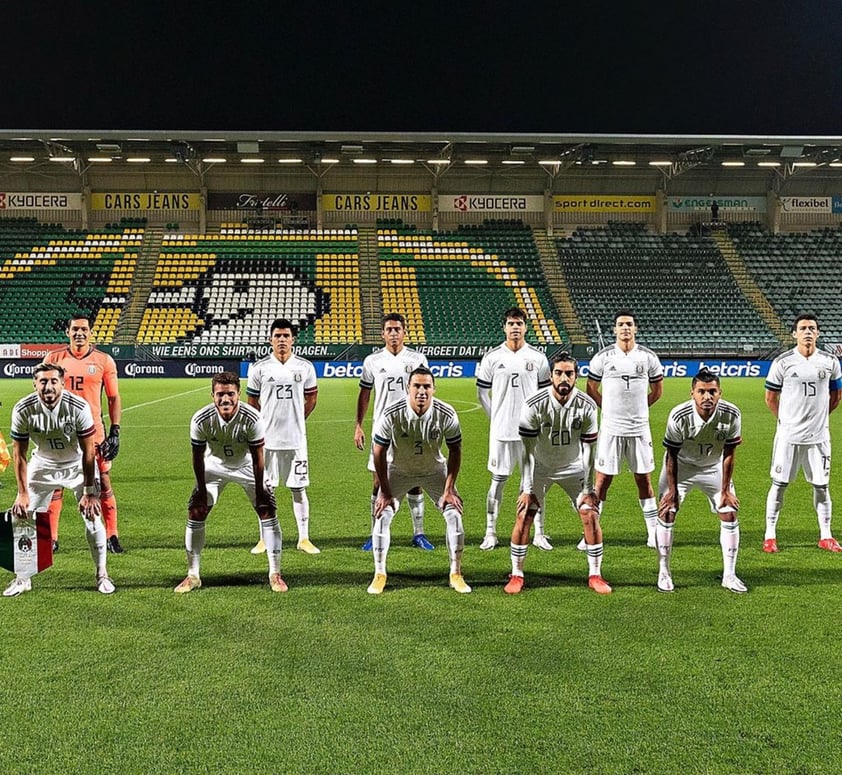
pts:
pixel 161 400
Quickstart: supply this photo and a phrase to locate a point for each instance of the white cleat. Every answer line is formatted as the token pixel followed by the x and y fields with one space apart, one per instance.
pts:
pixel 733 584
pixel 105 585
pixel 18 586
pixel 188 585
pixel 665 582
pixel 542 542
pixel 582 546
pixel 489 542
pixel 259 547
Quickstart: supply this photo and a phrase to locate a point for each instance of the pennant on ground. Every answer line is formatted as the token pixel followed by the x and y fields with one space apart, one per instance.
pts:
pixel 26 546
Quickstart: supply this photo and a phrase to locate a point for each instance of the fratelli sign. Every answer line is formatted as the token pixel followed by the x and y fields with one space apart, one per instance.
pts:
pixel 254 201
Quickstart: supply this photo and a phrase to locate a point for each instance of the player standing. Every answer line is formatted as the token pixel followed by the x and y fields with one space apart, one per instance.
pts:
pixel 802 389
pixel 558 426
pixel 282 387
pixel 407 454
pixel 625 379
pixel 506 375
pixel 386 372
pixel 227 441
pixel 89 372
pixel 701 438
pixel 62 429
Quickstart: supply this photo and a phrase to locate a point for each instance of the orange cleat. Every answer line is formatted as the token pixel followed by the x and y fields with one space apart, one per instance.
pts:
pixel 599 585
pixel 831 544
pixel 514 586
pixel 770 545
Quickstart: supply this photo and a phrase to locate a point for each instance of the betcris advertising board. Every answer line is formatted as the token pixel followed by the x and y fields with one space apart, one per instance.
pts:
pixel 674 368
pixel 13 368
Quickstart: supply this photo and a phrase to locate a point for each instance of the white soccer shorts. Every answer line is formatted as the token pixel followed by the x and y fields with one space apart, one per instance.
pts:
pixel 788 459
pixel 503 456
pixel 637 451
pixel 289 466
pixel 708 480
pixel 218 477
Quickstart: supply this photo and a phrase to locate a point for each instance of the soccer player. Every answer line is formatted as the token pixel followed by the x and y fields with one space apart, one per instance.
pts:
pixel 386 372
pixel 701 438
pixel 61 427
pixel 802 389
pixel 88 372
pixel 227 439
pixel 407 454
pixel 282 386
pixel 558 425
pixel 506 375
pixel 625 379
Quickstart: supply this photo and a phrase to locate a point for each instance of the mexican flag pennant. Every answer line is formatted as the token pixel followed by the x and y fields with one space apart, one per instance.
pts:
pixel 26 546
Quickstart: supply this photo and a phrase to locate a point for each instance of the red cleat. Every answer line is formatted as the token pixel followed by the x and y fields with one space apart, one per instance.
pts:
pixel 770 545
pixel 599 585
pixel 831 544
pixel 514 586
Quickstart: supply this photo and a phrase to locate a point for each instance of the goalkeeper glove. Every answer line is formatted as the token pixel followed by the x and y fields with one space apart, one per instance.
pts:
pixel 111 446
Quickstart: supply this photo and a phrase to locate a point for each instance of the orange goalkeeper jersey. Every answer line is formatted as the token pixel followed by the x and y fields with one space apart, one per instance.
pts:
pixel 87 376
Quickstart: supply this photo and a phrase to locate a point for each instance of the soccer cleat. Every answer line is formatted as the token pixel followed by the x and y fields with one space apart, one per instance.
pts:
pixel 582 546
pixel 18 586
pixel 259 547
pixel 770 545
pixel 307 546
pixel 831 544
pixel 114 545
pixel 665 582
pixel 188 585
pixel 515 585
pixel 378 584
pixel 542 542
pixel 489 542
pixel 421 541
pixel 599 585
pixel 458 583
pixel 733 584
pixel 55 547
pixel 105 585
pixel 368 545
pixel 277 583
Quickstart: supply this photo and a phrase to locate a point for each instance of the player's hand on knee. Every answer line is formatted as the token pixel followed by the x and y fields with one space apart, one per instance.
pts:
pixel 527 504
pixel 90 507
pixel 667 507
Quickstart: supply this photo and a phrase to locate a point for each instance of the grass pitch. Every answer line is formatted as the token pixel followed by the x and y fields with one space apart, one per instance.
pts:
pixel 327 679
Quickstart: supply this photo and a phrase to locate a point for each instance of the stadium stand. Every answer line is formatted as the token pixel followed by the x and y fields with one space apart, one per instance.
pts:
pixel 227 288
pixel 453 286
pixel 48 273
pixel 797 271
pixel 678 285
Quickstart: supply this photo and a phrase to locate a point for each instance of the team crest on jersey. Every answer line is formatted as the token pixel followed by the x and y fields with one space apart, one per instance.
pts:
pixel 435 434
pixel 576 424
pixel 530 366
pixel 25 544
pixel 298 376
pixel 91 369
pixel 68 429
pixel 720 435
pixel 241 438
pixel 822 374
pixel 408 368
pixel 639 369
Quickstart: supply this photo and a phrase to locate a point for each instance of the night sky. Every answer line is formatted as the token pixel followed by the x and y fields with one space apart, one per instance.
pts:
pixel 683 68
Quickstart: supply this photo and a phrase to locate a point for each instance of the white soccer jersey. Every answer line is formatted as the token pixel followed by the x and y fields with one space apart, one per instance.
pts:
pixel 413 441
pixel 804 385
pixel 54 432
pixel 281 388
pixel 625 380
pixel 228 443
pixel 388 375
pixel 560 429
pixel 700 443
pixel 511 376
